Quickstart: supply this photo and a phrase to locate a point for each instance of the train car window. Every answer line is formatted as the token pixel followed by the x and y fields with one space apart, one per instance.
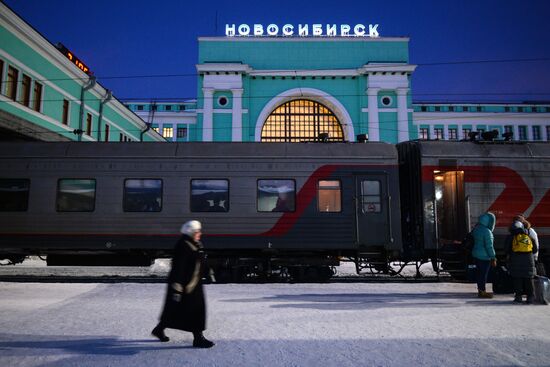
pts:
pixel 329 196
pixel 75 195
pixel 14 194
pixel 276 195
pixel 209 195
pixel 142 195
pixel 370 197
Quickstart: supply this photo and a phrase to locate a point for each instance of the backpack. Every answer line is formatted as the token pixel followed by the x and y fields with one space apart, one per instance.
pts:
pixel 468 242
pixel 522 243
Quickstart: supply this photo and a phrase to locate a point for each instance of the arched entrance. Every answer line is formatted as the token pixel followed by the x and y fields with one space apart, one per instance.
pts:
pixel 301 120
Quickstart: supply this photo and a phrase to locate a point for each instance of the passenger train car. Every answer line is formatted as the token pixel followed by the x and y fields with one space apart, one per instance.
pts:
pixel 296 208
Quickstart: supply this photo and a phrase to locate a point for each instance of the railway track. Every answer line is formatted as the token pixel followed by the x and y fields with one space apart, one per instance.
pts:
pixel 52 278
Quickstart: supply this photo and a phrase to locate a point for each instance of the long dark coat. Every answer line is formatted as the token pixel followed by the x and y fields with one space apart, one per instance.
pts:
pixel 520 264
pixel 185 283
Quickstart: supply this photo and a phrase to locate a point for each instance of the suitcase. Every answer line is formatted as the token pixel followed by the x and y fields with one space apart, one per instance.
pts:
pixel 501 279
pixel 542 290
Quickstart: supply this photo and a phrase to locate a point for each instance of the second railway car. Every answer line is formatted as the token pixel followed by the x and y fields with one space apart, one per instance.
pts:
pixel 445 186
pixel 296 208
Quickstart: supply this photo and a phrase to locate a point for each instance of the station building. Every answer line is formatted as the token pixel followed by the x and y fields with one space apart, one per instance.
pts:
pixel 48 94
pixel 282 88
pixel 290 89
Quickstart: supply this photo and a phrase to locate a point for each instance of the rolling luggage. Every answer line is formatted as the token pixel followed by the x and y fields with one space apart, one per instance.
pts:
pixel 542 290
pixel 501 279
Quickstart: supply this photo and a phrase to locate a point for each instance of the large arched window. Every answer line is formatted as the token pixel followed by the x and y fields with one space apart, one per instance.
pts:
pixel 301 120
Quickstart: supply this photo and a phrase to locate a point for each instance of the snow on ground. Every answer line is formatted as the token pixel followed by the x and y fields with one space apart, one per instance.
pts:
pixel 349 324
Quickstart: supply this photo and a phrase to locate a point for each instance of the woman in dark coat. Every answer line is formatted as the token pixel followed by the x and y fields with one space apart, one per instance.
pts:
pixel 185 308
pixel 521 264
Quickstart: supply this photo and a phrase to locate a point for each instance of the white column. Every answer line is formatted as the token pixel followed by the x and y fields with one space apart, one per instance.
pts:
pixel 544 133
pixel 431 134
pixel 207 114
pixel 237 115
pixel 516 132
pixel 402 115
pixel 374 125
pixel 445 132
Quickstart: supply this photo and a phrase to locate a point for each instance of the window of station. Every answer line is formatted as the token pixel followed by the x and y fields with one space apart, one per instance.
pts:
pixel 75 195
pixel 37 97
pixel 1 74
pixel 423 108
pixel 301 120
pixel 451 108
pixel 536 133
pixel 437 108
pixel 106 132
pixel 14 194
pixel 465 133
pixel 168 107
pixel 181 132
pixel 89 124
pixel 25 96
pixel 276 195
pixel 11 83
pixel 139 107
pixel 370 196
pixel 438 132
pixel 522 130
pixel 182 107
pixel 209 195
pixel 329 196
pixel 142 195
pixel 65 115
pixel 424 133
pixel 453 134
pixel 168 132
pixel 548 133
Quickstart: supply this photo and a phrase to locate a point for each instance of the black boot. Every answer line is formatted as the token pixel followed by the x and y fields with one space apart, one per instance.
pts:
pixel 158 331
pixel 199 341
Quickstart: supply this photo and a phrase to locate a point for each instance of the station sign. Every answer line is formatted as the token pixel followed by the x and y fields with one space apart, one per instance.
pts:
pixel 75 60
pixel 302 30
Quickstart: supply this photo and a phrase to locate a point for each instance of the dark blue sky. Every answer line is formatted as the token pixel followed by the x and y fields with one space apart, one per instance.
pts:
pixel 120 38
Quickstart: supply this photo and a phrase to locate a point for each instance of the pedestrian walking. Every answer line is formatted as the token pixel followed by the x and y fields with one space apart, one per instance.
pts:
pixel 185 307
pixel 483 251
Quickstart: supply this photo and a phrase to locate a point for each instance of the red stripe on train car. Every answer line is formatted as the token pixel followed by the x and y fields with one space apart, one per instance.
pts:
pixel 515 198
pixel 540 216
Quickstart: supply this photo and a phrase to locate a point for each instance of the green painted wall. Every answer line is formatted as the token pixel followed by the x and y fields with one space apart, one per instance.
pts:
pixel 327 54
pixel 222 127
pixel 57 86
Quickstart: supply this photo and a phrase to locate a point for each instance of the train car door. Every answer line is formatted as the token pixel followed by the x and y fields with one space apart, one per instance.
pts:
pixel 372 209
pixel 450 205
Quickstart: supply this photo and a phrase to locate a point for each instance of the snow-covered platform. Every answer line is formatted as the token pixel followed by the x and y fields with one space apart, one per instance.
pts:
pixel 350 324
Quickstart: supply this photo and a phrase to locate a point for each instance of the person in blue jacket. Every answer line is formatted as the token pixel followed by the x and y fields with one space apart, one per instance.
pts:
pixel 483 251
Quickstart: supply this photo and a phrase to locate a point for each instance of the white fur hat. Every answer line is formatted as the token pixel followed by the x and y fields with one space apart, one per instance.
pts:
pixel 191 227
pixel 517 224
